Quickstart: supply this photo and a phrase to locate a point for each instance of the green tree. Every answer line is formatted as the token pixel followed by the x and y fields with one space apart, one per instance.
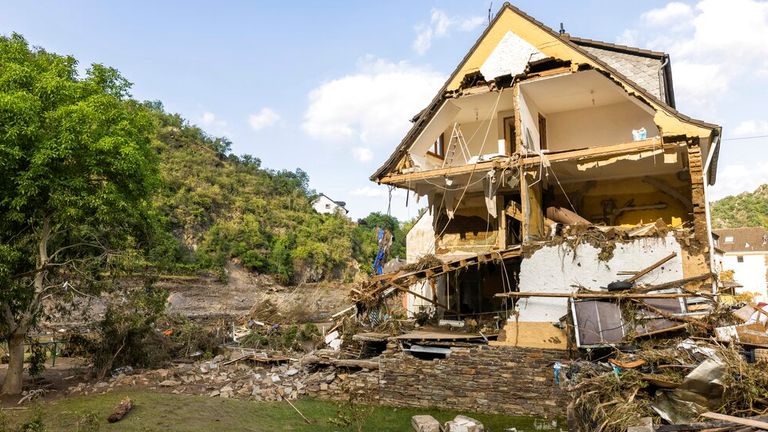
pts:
pixel 76 170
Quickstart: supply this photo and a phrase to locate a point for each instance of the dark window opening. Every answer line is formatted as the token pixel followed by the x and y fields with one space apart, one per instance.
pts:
pixel 438 147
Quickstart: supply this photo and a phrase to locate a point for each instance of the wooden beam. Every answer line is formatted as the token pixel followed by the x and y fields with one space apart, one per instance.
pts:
pixel 650 268
pixel 738 420
pixel 680 283
pixel 497 163
pixel 595 152
pixel 596 295
pixel 514 211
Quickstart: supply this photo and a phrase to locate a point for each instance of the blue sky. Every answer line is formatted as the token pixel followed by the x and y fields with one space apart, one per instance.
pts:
pixel 330 86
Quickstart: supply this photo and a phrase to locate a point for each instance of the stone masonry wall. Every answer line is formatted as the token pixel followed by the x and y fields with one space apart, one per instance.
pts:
pixel 501 380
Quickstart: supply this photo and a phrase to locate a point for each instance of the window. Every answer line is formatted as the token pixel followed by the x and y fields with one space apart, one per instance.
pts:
pixel 729 239
pixel 327 206
pixel 438 147
pixel 740 258
pixel 542 132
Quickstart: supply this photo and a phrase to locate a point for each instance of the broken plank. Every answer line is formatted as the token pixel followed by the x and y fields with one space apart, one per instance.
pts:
pixel 596 295
pixel 737 420
pixel 651 268
pixel 680 283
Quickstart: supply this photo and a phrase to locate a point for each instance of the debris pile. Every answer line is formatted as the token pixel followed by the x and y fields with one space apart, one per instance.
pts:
pixel 253 376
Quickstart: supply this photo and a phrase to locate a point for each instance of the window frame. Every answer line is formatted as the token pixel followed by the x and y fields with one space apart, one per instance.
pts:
pixel 439 144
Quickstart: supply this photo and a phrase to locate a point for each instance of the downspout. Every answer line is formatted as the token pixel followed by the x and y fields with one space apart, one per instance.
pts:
pixel 663 80
pixel 713 148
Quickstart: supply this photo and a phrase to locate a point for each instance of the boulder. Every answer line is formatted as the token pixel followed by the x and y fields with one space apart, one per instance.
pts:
pixel 425 423
pixel 462 423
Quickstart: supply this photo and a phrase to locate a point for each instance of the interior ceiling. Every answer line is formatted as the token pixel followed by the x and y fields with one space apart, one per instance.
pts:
pixel 573 91
pixel 477 107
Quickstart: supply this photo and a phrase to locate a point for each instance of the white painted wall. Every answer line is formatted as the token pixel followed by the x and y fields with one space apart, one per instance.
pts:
pixel 598 126
pixel 556 268
pixel 529 119
pixel 751 273
pixel 510 56
pixel 324 205
pixel 419 241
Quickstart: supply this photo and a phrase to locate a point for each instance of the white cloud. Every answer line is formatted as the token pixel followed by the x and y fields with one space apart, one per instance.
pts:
pixel 440 25
pixel 751 128
pixel 735 179
pixel 672 15
pixel 372 106
pixel 362 154
pixel 213 124
pixel 714 44
pixel 264 118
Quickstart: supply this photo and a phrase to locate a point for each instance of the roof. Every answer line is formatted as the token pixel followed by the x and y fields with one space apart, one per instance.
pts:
pixel 650 70
pixel 752 239
pixel 338 203
pixel 423 118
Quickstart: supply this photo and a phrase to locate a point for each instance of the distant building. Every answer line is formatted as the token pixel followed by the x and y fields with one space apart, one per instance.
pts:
pixel 745 251
pixel 324 205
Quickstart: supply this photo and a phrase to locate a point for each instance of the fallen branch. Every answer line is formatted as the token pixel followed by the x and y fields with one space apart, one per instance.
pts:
pixel 120 411
pixel 297 410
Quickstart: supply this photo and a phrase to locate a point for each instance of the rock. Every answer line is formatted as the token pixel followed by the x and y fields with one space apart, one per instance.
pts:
pixel 275 378
pixel 645 425
pixel 169 383
pixel 100 385
pixel 214 393
pixel 291 372
pixel 462 423
pixel 425 423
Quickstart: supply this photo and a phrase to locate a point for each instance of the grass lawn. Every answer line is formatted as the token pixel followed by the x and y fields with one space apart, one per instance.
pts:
pixel 169 413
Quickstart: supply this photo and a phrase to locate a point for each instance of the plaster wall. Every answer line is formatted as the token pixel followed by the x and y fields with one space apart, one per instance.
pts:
pixel 419 241
pixel 598 126
pixel 752 273
pixel 510 56
pixel 529 120
pixel 556 268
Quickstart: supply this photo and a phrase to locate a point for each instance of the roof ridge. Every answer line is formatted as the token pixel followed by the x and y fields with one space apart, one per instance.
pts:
pixel 627 49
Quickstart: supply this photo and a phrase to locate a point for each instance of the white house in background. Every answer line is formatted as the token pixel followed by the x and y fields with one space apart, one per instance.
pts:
pixel 745 251
pixel 324 205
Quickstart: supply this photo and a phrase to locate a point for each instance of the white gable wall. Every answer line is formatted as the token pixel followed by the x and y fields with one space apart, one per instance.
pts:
pixel 510 56
pixel 751 272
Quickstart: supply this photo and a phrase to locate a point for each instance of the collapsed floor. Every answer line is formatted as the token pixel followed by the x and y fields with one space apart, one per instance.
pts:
pixel 625 345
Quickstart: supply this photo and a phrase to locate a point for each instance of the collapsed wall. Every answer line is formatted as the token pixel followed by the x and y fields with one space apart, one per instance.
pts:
pixel 557 268
pixel 500 380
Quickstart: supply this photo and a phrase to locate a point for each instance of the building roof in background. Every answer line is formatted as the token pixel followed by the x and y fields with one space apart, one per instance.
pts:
pixel 753 239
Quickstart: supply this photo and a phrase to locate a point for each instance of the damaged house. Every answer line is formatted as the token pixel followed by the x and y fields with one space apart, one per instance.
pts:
pixel 552 163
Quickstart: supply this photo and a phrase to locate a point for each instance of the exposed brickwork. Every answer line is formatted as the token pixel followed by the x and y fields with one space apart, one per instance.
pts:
pixel 505 380
pixel 502 380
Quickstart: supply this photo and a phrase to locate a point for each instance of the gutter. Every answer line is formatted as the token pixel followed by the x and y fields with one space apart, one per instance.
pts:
pixel 705 174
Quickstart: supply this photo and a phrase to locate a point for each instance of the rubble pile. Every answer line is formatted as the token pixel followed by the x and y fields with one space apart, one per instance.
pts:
pixel 267 379
pixel 675 384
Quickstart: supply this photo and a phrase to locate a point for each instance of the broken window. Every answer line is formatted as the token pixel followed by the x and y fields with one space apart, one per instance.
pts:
pixel 438 147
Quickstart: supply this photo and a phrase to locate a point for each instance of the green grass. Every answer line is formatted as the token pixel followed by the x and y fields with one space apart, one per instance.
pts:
pixel 169 413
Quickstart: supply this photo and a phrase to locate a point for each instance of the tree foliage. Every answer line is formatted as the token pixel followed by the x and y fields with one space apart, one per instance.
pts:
pixel 76 170
pixel 748 209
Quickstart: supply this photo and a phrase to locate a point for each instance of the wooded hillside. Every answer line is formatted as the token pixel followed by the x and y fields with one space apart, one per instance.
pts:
pixel 748 209
pixel 214 206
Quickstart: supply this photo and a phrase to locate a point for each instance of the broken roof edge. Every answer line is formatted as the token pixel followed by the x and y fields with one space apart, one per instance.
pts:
pixel 426 115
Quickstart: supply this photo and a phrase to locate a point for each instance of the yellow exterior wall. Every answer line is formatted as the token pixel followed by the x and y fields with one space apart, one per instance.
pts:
pixel 621 191
pixel 553 46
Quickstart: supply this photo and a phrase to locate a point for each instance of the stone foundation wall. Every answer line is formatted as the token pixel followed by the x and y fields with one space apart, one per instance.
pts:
pixel 502 380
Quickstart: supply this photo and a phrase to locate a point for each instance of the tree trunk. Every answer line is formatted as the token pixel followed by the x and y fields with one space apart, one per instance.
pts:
pixel 13 377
